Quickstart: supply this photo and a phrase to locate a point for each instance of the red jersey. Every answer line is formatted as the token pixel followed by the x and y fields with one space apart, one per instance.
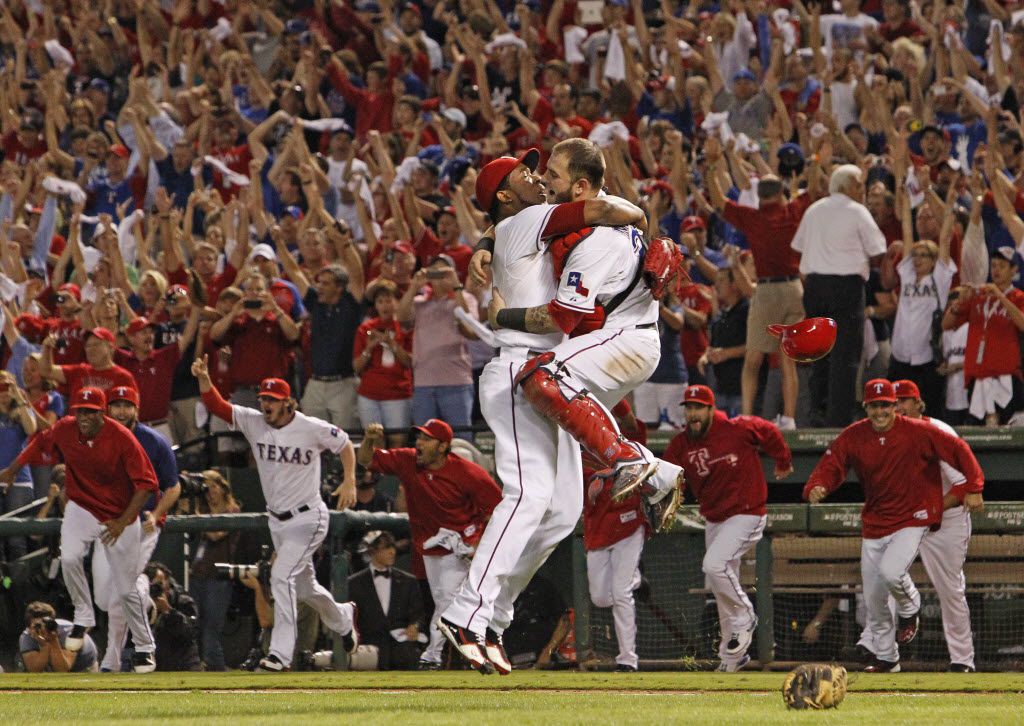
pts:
pixel 899 472
pixel 378 381
pixel 212 284
pixel 17 152
pixel 259 349
pixel 459 496
pixel 604 521
pixel 154 376
pixel 374 108
pixel 770 230
pixel 723 468
pixel 80 375
pixel 694 341
pixel 993 347
pixel 235 158
pixel 428 246
pixel 72 333
pixel 103 473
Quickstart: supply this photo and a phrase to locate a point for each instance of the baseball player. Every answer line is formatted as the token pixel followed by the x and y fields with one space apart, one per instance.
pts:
pixel 108 480
pixel 721 460
pixel 601 288
pixel 897 464
pixel 943 551
pixel 539 465
pixel 449 501
pixel 287 446
pixel 613 536
pixel 123 407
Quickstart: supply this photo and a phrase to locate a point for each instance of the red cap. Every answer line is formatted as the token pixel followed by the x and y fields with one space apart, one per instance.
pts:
pixel 699 394
pixel 435 428
pixel 31 326
pixel 89 397
pixel 879 389
pixel 177 290
pixel 119 150
pixel 123 393
pixel 906 389
pixel 495 172
pixel 102 334
pixel 275 388
pixel 412 7
pixel 71 289
pixel 692 222
pixel 807 340
pixel 661 186
pixel 140 323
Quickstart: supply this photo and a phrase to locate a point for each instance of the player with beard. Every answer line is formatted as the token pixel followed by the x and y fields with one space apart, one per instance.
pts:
pixel 721 458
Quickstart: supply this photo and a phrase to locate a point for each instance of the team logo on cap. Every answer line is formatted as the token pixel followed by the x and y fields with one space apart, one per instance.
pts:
pixel 85 394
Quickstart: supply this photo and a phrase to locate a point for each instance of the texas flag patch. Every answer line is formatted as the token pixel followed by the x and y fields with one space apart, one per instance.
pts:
pixel 575 281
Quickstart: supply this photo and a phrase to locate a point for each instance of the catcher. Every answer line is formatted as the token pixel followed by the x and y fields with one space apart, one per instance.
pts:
pixel 815 686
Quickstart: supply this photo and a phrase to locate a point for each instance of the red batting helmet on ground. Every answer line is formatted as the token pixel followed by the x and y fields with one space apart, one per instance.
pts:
pixel 807 340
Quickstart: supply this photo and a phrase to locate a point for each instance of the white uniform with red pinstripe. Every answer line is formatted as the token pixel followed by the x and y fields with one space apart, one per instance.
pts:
pixel 539 465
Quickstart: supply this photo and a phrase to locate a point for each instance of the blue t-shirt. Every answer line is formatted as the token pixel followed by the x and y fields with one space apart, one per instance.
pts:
pixel 12 441
pixel 21 350
pixel 671 367
pixel 161 456
pixel 84 659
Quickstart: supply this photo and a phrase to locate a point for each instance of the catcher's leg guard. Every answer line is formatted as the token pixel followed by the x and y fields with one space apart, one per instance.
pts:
pixel 581 416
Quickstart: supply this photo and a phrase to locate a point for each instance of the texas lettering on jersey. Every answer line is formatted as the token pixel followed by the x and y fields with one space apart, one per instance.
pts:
pixel 701 459
pixel 284 454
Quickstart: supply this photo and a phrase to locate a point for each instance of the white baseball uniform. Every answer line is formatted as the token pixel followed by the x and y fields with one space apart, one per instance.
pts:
pixel 725 543
pixel 288 461
pixel 613 573
pixel 539 465
pixel 106 600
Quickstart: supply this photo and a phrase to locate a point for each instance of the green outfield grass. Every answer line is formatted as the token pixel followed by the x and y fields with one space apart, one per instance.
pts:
pixel 522 699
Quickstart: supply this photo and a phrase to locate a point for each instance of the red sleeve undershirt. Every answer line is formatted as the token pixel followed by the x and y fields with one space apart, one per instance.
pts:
pixel 565 318
pixel 216 404
pixel 564 219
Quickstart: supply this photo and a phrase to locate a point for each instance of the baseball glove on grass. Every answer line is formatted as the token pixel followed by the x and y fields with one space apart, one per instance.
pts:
pixel 815 685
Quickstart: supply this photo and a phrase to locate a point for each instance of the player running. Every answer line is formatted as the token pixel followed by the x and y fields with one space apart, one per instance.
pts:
pixel 286 445
pixel 721 459
pixel 897 464
pixel 108 480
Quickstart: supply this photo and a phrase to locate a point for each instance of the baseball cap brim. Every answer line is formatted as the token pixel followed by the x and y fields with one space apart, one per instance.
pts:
pixel 89 405
pixel 272 394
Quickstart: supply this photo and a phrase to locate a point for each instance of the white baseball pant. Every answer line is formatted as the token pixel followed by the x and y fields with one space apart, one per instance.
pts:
pixel 610 363
pixel 884 566
pixel 445 575
pixel 117 625
pixel 541 472
pixel 292 579
pixel 943 553
pixel 78 531
pixel 725 543
pixel 659 403
pixel 613 573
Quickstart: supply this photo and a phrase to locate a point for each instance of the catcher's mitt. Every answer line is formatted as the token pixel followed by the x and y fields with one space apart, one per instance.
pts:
pixel 662 265
pixel 815 685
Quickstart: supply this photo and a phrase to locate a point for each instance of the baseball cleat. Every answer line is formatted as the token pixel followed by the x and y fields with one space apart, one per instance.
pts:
pixel 468 644
pixel 724 667
pixel 428 665
pixel 494 648
pixel 961 668
pixel 272 664
pixel 76 638
pixel 662 513
pixel 350 640
pixel 625 668
pixel 906 628
pixel 739 642
pixel 632 478
pixel 143 663
pixel 882 666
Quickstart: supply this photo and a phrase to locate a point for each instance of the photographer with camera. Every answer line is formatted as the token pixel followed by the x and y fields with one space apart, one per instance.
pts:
pixel 173 619
pixel 123 407
pixel 287 446
pixel 211 494
pixel 69 346
pixel 43 640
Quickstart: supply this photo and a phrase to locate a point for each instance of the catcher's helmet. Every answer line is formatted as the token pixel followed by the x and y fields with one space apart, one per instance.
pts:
pixel 807 340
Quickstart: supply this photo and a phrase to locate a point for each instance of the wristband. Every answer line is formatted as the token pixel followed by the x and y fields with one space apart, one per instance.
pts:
pixel 485 243
pixel 513 319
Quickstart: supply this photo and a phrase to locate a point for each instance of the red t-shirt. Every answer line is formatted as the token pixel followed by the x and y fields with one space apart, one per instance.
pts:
pixel 212 284
pixel 606 522
pixel 723 468
pixel 72 333
pixel 80 375
pixel 235 158
pixel 17 152
pixel 259 349
pixel 428 246
pixel 694 341
pixel 988 322
pixel 378 381
pixel 770 231
pixel 103 473
pixel 899 472
pixel 459 496
pixel 154 376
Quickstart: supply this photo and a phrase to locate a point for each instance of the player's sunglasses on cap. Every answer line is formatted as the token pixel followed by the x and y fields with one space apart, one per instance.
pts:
pixel 879 390
pixel 699 394
pixel 906 389
pixel 274 388
pixel 89 398
pixel 494 173
pixel 435 428
pixel 124 393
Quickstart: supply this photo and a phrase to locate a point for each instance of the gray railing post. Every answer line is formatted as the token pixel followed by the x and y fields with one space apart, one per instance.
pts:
pixel 763 598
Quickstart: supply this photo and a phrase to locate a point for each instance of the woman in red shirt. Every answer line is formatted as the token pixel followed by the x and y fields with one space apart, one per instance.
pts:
pixel 382 357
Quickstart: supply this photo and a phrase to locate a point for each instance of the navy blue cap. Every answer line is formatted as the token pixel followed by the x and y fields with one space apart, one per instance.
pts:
pixel 295 27
pixel 100 85
pixel 791 149
pixel 744 74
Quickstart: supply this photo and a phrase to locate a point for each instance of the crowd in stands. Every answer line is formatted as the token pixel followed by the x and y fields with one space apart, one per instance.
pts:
pixel 288 187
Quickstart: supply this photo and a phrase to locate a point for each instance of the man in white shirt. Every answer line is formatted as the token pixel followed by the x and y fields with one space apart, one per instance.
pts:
pixel 838 240
pixel 847 28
